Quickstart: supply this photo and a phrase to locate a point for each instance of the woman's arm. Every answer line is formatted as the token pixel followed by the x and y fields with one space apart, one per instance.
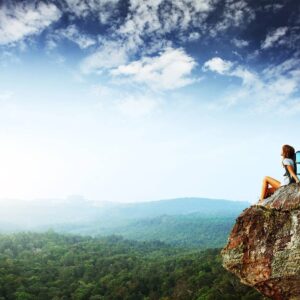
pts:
pixel 292 172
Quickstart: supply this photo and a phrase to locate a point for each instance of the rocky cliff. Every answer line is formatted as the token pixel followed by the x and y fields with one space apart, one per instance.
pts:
pixel 263 248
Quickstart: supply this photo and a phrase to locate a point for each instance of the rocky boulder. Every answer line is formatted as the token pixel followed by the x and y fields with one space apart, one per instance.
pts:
pixel 263 249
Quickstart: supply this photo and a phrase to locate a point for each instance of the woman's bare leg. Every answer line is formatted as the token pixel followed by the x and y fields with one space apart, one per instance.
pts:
pixel 275 184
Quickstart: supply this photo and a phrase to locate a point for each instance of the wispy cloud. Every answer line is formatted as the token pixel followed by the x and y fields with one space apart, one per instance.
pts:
pixel 73 34
pixel 236 13
pixel 8 57
pixel 274 7
pixel 218 65
pixel 170 69
pixel 22 20
pixel 147 23
pixel 103 10
pixel 274 37
pixel 274 88
pixel 110 54
pixel 162 16
pixel 240 43
pixel 154 44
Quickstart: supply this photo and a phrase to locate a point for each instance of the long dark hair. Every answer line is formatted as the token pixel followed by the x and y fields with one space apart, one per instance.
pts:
pixel 288 152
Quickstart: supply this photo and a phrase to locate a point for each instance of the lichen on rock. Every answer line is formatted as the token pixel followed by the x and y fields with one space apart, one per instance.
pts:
pixel 263 249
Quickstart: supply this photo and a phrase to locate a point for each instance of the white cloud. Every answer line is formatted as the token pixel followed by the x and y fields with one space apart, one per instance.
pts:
pixel 23 20
pixel 51 42
pixel 104 10
pixel 282 81
pixel 273 7
pixel 273 37
pixel 248 77
pixel 169 70
pixel 284 86
pixel 287 67
pixel 236 13
pixel 193 36
pixel 161 16
pixel 274 88
pixel 240 43
pixel 73 34
pixel 145 19
pixel 218 65
pixel 110 54
pixel 144 30
pixel 182 14
pixel 225 67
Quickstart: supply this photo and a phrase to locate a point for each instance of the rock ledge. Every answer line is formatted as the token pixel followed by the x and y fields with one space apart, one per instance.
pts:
pixel 263 248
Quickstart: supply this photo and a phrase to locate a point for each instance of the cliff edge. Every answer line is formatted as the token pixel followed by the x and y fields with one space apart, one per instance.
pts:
pixel 263 248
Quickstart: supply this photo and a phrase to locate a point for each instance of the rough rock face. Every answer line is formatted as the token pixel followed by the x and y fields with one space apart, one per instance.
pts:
pixel 263 248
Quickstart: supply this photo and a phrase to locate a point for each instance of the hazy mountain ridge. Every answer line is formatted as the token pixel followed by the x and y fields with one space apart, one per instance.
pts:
pixel 191 230
pixel 47 212
pixel 192 222
pixel 180 206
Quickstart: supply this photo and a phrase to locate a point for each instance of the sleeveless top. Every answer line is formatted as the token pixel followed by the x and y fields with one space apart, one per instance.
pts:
pixel 287 162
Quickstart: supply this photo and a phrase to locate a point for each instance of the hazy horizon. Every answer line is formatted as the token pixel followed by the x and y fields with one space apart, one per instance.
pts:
pixel 74 198
pixel 128 101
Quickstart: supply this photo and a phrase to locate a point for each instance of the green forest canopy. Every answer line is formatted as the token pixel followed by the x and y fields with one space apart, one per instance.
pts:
pixel 48 265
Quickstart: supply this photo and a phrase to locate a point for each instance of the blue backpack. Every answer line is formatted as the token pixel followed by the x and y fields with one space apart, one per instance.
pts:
pixel 297 168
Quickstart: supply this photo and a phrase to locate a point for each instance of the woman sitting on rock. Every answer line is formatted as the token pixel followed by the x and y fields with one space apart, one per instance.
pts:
pixel 290 176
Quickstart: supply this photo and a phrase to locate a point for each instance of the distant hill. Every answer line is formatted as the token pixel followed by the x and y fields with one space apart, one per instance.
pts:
pixel 178 206
pixel 188 222
pixel 189 230
pixel 44 212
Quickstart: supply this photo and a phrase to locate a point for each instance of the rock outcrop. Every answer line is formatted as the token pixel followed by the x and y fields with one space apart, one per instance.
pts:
pixel 263 248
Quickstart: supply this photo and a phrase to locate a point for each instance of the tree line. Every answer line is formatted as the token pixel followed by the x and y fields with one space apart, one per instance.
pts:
pixel 49 265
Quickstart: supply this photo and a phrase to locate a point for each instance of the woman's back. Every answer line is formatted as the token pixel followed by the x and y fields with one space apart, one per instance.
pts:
pixel 287 177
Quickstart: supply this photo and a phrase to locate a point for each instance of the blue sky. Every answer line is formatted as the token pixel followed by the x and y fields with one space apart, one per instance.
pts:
pixel 146 100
